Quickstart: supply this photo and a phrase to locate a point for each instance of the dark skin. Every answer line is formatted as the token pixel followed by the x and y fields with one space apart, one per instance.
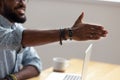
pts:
pixel 81 32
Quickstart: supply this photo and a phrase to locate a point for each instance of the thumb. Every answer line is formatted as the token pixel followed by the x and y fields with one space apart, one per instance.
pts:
pixel 79 20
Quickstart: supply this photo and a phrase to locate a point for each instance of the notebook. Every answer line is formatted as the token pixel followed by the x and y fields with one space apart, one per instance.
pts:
pixel 73 76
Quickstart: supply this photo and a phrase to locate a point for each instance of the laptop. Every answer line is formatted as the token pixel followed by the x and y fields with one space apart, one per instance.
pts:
pixel 73 76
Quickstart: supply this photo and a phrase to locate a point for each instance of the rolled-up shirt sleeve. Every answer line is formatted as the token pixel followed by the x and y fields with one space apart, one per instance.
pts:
pixel 30 57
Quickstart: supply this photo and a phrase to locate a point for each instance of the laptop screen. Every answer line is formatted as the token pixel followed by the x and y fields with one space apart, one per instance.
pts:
pixel 86 61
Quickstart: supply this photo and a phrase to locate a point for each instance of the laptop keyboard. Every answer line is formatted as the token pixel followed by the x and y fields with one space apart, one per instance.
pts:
pixel 72 77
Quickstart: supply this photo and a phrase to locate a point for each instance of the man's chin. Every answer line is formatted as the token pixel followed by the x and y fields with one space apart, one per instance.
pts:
pixel 21 19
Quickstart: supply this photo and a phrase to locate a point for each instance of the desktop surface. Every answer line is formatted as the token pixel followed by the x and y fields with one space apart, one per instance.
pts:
pixel 96 70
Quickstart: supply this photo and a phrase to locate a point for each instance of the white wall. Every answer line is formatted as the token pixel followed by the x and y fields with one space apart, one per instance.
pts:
pixel 54 14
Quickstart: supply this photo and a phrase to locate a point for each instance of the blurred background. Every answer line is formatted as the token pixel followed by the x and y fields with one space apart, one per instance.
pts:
pixel 56 14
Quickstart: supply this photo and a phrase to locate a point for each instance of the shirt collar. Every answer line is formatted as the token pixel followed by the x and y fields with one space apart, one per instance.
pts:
pixel 5 22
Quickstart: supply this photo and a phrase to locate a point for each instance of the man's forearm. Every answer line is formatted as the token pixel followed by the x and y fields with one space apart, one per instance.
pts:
pixel 37 37
pixel 26 73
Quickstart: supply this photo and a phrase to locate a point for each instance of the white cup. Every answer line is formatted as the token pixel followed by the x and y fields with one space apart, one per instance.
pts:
pixel 60 64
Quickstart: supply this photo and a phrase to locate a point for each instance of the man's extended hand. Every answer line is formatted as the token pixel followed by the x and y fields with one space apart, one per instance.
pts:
pixel 82 31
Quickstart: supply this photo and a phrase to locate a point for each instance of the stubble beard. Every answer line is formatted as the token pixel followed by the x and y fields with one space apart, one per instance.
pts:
pixel 13 17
